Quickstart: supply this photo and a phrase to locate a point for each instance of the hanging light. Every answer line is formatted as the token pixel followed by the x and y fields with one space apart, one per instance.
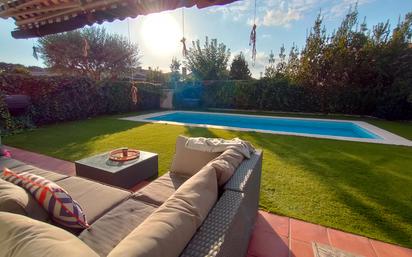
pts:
pixel 35 55
pixel 86 48
pixel 252 38
pixel 183 40
pixel 35 51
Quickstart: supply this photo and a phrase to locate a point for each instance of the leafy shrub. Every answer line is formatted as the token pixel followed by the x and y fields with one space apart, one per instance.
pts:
pixel 264 94
pixel 55 99
pixel 279 94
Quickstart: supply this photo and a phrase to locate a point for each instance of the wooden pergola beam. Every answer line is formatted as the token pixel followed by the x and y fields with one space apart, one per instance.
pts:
pixel 17 12
pixel 27 4
pixel 67 12
pixel 36 18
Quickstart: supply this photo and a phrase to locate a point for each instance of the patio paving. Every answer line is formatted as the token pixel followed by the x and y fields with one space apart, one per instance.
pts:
pixel 273 235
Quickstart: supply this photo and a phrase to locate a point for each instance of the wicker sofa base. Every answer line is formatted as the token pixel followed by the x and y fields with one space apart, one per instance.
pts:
pixel 228 227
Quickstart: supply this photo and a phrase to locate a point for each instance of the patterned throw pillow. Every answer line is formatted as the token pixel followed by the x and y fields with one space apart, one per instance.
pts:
pixel 54 199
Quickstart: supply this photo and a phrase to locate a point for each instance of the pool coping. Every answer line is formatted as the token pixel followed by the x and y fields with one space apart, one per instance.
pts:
pixel 386 136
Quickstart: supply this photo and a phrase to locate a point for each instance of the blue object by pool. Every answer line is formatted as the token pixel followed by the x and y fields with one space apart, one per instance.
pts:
pixel 274 124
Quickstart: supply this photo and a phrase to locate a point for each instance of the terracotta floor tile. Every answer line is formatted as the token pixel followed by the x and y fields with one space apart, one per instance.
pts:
pixel 67 170
pixel 301 249
pixel 16 152
pixel 272 223
pixel 21 156
pixel 308 232
pixel 388 250
pixel 52 165
pixel 351 243
pixel 265 244
pixel 33 156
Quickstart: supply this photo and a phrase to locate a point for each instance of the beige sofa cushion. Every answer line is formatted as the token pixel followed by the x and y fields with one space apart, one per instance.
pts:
pixel 54 199
pixel 167 231
pixel 7 162
pixel 159 190
pixel 49 175
pixel 21 236
pixel 95 198
pixel 16 200
pixel 226 164
pixel 105 233
pixel 186 161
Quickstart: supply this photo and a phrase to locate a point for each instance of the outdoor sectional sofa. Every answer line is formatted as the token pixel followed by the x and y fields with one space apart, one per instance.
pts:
pixel 115 214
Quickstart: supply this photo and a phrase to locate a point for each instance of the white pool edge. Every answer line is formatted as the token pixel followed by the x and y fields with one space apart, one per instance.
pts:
pixel 387 137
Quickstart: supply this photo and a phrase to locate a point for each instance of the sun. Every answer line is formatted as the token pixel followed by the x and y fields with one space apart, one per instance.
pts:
pixel 161 33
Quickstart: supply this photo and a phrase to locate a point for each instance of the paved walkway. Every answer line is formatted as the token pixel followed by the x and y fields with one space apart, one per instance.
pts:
pixel 273 236
pixel 279 236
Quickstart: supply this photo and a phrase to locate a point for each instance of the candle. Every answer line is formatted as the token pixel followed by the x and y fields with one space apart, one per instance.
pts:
pixel 124 151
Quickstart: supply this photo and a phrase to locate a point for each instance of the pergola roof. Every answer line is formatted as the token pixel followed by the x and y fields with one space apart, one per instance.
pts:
pixel 36 18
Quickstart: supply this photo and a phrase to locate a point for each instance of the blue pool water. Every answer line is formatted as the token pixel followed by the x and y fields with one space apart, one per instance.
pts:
pixel 315 127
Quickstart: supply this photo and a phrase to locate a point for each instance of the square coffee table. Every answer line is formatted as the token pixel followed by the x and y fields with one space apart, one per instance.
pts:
pixel 122 174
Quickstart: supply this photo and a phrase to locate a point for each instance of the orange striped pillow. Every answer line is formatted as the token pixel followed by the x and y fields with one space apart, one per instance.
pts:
pixel 54 199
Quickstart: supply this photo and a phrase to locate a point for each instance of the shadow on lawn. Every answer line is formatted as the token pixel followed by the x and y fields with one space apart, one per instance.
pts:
pixel 354 178
pixel 198 132
pixel 71 140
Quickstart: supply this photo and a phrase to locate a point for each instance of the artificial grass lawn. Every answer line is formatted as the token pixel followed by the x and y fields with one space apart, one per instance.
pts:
pixel 361 188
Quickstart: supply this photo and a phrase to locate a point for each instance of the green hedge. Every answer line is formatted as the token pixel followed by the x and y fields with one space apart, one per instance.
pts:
pixel 281 95
pixel 56 99
pixel 256 95
pixel 272 95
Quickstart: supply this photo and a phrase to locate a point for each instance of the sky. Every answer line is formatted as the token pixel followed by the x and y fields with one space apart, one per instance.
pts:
pixel 278 22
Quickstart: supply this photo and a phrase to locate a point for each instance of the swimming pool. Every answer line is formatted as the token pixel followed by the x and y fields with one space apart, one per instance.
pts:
pixel 337 129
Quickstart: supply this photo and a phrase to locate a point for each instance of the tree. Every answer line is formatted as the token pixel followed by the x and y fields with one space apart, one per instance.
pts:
pixel 239 68
pixel 311 68
pixel 175 65
pixel 356 70
pixel 155 75
pixel 281 65
pixel 175 71
pixel 13 68
pixel 89 52
pixel 208 62
pixel 270 70
pixel 292 66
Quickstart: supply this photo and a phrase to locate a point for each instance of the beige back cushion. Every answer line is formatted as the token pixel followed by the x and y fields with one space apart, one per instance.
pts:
pixel 17 200
pixel 226 164
pixel 166 232
pixel 186 161
pixel 21 236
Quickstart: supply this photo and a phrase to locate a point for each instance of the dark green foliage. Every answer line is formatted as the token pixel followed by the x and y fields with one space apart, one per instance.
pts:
pixel 91 52
pixel 239 69
pixel 175 75
pixel 270 70
pixel 13 68
pixel 264 94
pixel 55 99
pixel 155 75
pixel 208 62
pixel 352 71
pixel 357 71
pixel 6 121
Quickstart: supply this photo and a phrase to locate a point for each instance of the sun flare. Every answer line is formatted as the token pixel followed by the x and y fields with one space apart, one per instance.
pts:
pixel 161 33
